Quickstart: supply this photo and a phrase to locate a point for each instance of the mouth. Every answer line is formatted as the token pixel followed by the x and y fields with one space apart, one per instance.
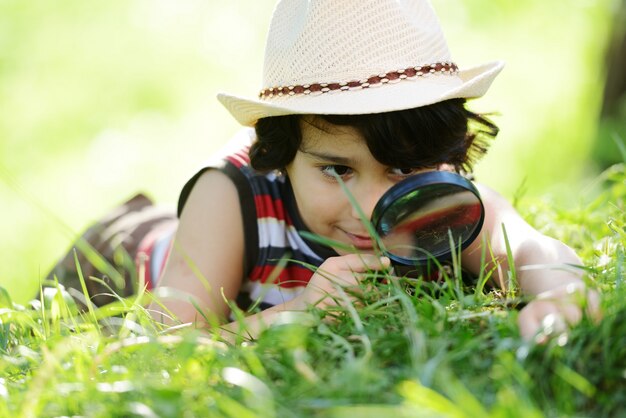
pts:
pixel 360 241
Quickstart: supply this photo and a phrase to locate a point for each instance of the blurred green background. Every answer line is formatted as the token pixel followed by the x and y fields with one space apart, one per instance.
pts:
pixel 100 99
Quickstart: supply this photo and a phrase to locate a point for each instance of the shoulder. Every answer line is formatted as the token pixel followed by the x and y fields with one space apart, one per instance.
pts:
pixel 212 210
pixel 498 209
pixel 502 225
pixel 212 189
pixel 210 230
pixel 491 198
pixel 232 159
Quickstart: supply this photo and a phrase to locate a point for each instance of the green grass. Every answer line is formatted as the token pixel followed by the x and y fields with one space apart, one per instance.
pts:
pixel 406 349
pixel 103 94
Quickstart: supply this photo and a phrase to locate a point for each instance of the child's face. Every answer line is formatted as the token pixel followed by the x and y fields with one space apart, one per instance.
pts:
pixel 323 205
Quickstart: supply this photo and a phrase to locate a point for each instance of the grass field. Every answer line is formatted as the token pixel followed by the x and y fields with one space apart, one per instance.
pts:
pixel 105 98
pixel 407 349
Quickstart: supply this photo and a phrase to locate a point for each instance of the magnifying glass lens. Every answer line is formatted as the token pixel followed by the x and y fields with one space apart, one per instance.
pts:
pixel 417 218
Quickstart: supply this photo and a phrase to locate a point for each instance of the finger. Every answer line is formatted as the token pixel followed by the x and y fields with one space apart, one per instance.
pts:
pixel 570 311
pixel 593 306
pixel 347 270
pixel 573 298
pixel 361 263
pixel 531 320
pixel 568 291
pixel 528 327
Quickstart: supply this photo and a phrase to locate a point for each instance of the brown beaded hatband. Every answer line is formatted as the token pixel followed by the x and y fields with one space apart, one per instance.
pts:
pixel 390 77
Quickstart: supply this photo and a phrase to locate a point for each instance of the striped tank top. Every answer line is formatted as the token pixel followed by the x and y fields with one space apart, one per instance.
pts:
pixel 279 261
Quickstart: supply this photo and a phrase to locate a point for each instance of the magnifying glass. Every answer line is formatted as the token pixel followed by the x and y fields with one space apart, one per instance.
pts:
pixel 426 217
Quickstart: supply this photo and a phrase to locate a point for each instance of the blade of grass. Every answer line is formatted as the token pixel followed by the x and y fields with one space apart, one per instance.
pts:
pixel 83 285
pixel 512 284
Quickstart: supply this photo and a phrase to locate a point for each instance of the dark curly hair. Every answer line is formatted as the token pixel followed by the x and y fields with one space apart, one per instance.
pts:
pixel 441 133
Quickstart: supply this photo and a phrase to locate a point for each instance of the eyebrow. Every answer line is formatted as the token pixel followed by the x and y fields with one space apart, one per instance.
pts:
pixel 329 157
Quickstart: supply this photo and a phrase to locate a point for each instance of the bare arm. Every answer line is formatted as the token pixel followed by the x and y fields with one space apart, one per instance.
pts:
pixel 544 266
pixel 207 255
pixel 534 253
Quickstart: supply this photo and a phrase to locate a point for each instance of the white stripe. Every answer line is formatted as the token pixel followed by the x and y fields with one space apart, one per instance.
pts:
pixel 275 233
pixel 271 293
pixel 159 250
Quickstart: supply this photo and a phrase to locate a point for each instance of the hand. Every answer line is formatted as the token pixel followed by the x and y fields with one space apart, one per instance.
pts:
pixel 336 273
pixel 556 309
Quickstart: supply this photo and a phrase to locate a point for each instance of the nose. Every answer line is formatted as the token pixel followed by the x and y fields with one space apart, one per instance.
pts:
pixel 366 196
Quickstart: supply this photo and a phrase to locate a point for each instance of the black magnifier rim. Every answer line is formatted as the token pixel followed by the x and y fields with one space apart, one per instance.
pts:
pixel 418 181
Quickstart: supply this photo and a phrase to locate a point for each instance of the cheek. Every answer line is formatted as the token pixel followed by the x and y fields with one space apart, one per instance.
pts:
pixel 321 202
pixel 321 205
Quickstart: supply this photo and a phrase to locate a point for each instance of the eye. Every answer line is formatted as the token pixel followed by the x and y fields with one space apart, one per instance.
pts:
pixel 336 170
pixel 404 172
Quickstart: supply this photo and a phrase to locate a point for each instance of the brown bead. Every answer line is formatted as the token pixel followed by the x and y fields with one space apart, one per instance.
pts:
pixel 382 78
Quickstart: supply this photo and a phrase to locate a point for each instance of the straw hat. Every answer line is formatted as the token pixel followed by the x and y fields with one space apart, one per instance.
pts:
pixel 356 57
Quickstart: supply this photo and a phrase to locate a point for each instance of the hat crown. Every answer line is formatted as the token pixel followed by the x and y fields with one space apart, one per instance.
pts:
pixel 312 41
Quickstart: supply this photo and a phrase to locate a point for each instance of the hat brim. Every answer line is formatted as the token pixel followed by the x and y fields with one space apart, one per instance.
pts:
pixel 404 94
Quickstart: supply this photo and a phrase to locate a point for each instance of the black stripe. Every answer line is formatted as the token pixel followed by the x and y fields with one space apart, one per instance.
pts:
pixel 272 255
pixel 248 216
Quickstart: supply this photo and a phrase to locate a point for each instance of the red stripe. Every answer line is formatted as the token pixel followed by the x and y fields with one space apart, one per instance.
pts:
pixel 240 158
pixel 144 253
pixel 289 277
pixel 268 207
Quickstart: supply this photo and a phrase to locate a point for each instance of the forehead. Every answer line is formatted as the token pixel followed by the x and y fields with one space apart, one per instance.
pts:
pixel 318 133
